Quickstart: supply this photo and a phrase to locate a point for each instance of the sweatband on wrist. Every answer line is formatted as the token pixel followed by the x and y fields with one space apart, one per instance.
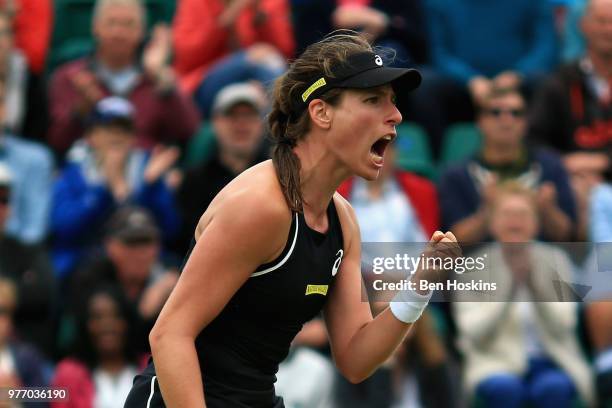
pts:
pixel 407 305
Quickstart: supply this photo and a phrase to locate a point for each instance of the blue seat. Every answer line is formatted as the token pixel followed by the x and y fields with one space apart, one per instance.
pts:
pixel 200 146
pixel 461 141
pixel 414 151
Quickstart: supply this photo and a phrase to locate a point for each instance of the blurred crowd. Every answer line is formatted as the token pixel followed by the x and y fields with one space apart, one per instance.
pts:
pixel 122 119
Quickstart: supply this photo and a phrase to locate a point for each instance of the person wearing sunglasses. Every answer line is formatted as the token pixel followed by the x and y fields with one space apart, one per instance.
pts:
pixel 104 171
pixel 466 190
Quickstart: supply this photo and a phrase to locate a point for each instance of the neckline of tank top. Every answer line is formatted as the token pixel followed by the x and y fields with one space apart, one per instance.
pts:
pixel 329 221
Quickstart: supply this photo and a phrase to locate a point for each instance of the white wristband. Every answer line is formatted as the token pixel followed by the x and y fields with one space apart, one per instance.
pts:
pixel 407 305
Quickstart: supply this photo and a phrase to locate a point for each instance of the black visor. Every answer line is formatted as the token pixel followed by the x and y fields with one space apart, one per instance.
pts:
pixel 361 71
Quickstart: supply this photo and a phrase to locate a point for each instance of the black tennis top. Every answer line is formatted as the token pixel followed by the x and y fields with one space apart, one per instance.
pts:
pixel 240 350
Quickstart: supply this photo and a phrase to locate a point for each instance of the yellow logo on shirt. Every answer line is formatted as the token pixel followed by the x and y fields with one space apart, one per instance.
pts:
pixel 316 290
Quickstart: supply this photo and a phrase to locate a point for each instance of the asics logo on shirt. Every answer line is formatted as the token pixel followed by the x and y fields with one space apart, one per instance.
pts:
pixel 336 266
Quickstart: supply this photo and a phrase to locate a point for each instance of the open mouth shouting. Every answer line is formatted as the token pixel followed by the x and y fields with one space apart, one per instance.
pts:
pixel 377 151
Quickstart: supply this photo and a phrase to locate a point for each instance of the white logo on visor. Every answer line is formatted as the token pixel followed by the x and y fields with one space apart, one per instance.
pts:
pixel 378 60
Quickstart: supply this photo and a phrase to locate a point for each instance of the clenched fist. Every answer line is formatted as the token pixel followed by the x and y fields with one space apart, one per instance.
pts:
pixel 442 249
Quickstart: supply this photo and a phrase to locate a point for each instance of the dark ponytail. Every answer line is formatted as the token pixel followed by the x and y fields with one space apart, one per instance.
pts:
pixel 286 162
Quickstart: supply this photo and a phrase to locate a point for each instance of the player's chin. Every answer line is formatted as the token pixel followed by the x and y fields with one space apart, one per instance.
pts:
pixel 368 171
pixel 365 165
pixel 370 175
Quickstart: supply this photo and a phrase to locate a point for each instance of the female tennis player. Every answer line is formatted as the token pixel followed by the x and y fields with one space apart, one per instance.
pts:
pixel 278 245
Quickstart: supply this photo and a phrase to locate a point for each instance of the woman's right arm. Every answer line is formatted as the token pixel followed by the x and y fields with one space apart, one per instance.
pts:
pixel 242 234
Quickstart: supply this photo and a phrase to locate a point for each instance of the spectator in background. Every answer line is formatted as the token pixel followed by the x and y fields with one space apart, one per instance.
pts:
pixel 306 377
pixel 31 25
pixel 131 262
pixel 394 24
pixel 573 39
pixel 238 123
pixel 468 189
pixel 521 348
pixel 103 361
pixel 312 20
pixel 31 166
pixel 572 111
pixel 560 11
pixel 104 171
pixel 14 72
pixel 396 207
pixel 599 313
pixel 220 42
pixel 163 113
pixel 399 25
pixel 30 269
pixel 601 213
pixel 20 364
pixel 416 375
pixel 478 45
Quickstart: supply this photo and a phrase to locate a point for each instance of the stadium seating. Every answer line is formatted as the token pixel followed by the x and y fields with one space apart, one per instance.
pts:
pixel 200 146
pixel 461 141
pixel 413 150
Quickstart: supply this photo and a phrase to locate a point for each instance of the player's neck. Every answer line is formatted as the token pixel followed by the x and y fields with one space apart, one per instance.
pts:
pixel 320 176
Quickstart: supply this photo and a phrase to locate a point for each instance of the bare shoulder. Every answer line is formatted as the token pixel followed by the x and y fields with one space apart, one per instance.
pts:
pixel 255 202
pixel 348 220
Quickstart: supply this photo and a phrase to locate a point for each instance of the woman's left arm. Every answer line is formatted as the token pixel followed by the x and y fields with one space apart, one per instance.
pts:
pixel 359 343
